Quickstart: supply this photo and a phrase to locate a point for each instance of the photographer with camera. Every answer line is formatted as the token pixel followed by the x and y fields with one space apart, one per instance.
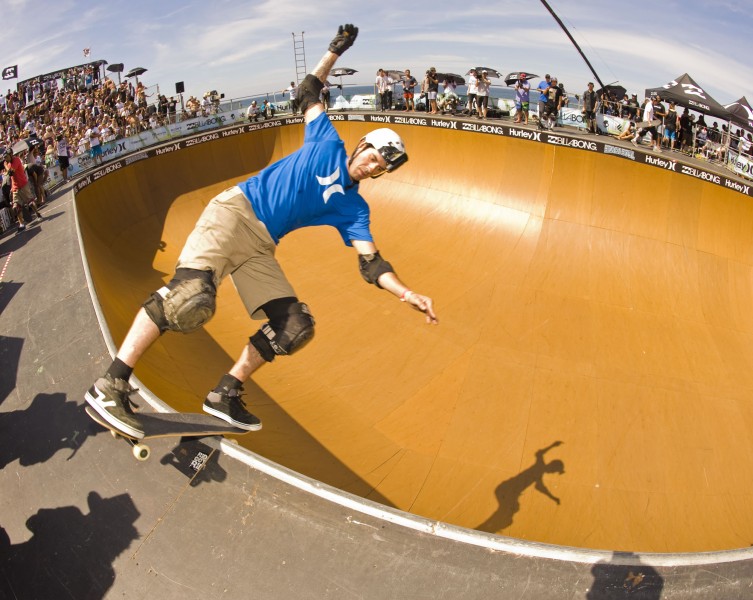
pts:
pixel 472 92
pixel 20 189
pixel 253 113
pixel 482 95
pixel 432 88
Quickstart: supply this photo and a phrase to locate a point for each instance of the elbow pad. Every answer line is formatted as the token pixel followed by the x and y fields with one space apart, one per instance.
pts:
pixel 372 266
pixel 308 92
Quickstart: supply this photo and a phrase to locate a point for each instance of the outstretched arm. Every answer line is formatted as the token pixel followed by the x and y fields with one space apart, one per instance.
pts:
pixel 391 282
pixel 346 35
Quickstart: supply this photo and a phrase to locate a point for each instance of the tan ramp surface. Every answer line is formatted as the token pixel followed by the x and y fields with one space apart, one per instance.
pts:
pixel 590 383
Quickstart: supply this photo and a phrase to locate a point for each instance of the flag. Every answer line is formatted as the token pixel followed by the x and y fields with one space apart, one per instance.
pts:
pixel 10 72
pixel 87 52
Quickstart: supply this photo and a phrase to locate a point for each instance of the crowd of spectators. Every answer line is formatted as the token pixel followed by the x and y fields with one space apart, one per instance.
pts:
pixel 82 111
pixel 79 109
pixel 680 130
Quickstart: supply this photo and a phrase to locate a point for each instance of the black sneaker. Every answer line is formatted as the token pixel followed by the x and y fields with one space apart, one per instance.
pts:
pixel 110 397
pixel 228 406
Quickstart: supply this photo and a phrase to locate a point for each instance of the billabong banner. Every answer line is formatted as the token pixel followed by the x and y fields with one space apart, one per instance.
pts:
pixel 10 72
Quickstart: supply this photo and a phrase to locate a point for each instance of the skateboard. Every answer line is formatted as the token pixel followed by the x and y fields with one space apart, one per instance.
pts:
pixel 647 124
pixel 183 425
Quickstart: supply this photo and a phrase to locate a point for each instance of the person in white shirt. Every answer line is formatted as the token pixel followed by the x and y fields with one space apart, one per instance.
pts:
pixel 253 113
pixel 648 117
pixel 95 144
pixel 292 90
pixel 482 98
pixel 472 91
pixel 382 87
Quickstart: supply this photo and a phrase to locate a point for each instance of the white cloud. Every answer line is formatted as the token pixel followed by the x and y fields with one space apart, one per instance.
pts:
pixel 224 44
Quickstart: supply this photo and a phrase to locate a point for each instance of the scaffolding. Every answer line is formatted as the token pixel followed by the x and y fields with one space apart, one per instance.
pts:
pixel 299 52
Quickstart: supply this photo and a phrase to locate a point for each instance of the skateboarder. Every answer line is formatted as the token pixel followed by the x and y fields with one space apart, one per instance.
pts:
pixel 237 234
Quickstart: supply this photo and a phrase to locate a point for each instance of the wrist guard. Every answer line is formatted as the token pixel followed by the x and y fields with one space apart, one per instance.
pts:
pixel 346 35
pixel 308 92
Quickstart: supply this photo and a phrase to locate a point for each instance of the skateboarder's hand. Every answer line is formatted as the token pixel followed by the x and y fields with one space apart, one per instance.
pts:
pixel 424 304
pixel 346 35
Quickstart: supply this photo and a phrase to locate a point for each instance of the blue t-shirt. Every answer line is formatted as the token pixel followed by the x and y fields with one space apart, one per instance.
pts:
pixel 543 85
pixel 310 187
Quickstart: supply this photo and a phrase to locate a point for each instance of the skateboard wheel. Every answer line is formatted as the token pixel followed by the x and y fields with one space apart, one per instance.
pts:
pixel 141 451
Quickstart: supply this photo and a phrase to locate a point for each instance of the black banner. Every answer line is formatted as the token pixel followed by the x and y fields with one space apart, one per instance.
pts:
pixel 10 72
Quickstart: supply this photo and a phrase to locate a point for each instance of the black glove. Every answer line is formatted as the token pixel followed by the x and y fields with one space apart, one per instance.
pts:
pixel 346 35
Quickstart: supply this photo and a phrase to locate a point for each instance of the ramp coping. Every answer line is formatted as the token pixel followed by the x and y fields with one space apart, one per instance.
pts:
pixel 494 543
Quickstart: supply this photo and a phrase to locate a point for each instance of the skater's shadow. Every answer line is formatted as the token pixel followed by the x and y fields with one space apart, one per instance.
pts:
pixel 625 577
pixel 70 554
pixel 508 492
pixel 196 460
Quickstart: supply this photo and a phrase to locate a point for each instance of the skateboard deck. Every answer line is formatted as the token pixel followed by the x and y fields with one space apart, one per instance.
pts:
pixel 647 124
pixel 155 425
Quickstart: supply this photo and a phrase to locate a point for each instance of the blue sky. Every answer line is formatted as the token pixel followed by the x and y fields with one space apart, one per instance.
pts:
pixel 246 48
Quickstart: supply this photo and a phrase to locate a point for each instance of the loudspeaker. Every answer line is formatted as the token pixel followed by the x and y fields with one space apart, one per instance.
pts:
pixel 180 88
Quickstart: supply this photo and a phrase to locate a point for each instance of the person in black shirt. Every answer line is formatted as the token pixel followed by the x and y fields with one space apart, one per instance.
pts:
pixel 590 100
pixel 552 107
pixel 670 127
pixel 686 131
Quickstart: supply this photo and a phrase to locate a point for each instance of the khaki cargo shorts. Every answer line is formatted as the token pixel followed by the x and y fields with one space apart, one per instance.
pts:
pixel 23 196
pixel 228 239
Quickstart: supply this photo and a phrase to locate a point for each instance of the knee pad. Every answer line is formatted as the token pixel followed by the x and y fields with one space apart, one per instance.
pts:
pixel 308 92
pixel 290 327
pixel 186 303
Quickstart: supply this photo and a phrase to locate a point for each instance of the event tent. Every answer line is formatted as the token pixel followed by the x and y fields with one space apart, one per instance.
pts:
pixel 741 112
pixel 684 91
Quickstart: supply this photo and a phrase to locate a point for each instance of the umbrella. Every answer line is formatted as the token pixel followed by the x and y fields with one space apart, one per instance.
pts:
pixel 135 72
pixel 618 91
pixel 512 78
pixel 340 72
pixel 489 71
pixel 451 77
pixel 116 68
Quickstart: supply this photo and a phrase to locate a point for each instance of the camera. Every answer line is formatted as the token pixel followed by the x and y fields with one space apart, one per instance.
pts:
pixel 214 97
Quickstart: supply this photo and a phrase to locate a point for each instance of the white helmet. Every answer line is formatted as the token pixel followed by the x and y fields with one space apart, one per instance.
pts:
pixel 389 145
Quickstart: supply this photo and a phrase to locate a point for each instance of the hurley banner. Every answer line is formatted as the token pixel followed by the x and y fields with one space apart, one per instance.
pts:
pixel 10 72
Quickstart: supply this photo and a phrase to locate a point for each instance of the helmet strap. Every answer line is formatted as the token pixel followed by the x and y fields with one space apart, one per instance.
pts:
pixel 357 150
